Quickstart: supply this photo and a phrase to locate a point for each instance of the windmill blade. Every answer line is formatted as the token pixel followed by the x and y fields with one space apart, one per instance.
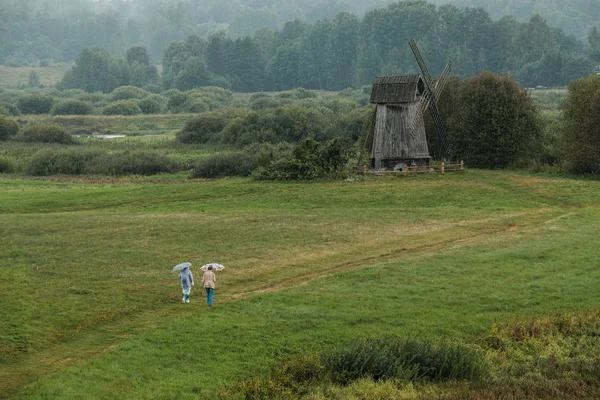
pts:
pixel 437 91
pixel 427 99
pixel 432 92
pixel 442 80
pixel 441 129
pixel 421 62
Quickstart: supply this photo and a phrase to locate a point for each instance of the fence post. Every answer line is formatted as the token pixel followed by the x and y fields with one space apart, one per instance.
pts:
pixel 364 168
pixel 462 165
pixel 443 172
pixel 404 170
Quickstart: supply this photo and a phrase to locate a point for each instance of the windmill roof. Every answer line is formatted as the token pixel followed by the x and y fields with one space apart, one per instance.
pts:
pixel 396 89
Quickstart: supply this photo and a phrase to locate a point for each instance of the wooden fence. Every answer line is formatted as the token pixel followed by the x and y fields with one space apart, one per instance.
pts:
pixel 442 168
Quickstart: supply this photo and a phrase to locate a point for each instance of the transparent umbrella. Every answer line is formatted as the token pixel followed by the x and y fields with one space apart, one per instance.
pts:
pixel 181 266
pixel 215 267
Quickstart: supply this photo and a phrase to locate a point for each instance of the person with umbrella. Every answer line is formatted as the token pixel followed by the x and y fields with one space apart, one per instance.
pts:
pixel 208 282
pixel 187 280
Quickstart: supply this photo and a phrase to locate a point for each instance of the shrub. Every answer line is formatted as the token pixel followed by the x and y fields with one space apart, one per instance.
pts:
pixel 222 165
pixel 8 127
pixel 581 129
pixel 128 92
pixel 72 107
pixel 153 88
pixel 352 125
pixel 35 104
pixel 310 160
pixel 65 161
pixel 122 107
pixel 264 102
pixel 206 127
pixel 339 105
pixel 170 93
pixel 132 162
pixel 150 105
pixel 177 102
pixel 299 93
pixel 395 358
pixel 281 124
pixel 9 109
pixel 47 133
pixel 7 165
pixel 198 106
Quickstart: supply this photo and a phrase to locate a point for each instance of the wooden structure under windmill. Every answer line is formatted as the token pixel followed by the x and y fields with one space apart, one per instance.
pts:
pixel 399 137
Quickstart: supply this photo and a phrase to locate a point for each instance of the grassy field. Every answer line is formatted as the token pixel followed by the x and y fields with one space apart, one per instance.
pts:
pixel 15 76
pixel 90 309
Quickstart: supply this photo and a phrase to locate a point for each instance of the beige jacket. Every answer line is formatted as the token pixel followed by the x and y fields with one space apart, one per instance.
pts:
pixel 209 279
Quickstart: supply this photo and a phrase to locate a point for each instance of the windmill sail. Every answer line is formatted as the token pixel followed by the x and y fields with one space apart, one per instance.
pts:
pixel 430 97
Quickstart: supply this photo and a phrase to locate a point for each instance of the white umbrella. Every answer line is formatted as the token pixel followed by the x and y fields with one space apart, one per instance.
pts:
pixel 181 266
pixel 215 267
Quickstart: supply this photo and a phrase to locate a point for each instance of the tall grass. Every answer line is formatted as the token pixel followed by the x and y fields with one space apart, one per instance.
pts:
pixel 396 358
pixel 61 161
pixel 86 161
pixel 226 164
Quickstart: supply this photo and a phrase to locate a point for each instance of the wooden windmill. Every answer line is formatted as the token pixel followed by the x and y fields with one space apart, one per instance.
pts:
pixel 399 137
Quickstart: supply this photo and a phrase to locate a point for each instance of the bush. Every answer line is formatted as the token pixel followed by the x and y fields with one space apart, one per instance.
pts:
pixel 177 102
pixel 395 358
pixel 150 105
pixel 72 107
pixel 132 163
pixel 47 133
pixel 67 161
pixel 35 104
pixel 170 93
pixel 581 127
pixel 206 127
pixel 283 124
pixel 351 126
pixel 8 127
pixel 153 88
pixel 264 102
pixel 7 165
pixel 222 165
pixel 9 110
pixel 310 160
pixel 128 93
pixel 122 107
pixel 198 106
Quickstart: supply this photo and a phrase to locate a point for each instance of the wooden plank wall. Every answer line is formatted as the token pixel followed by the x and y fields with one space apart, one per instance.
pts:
pixel 393 138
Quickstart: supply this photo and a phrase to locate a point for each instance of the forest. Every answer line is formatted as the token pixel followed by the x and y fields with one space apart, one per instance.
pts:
pixel 327 47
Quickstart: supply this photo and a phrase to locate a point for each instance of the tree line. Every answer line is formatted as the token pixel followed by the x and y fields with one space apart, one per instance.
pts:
pixel 47 31
pixel 350 52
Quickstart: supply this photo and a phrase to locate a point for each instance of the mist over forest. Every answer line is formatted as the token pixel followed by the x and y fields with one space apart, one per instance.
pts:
pixel 251 45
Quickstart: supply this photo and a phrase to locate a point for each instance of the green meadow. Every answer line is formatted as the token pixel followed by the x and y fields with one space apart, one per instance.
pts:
pixel 90 308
